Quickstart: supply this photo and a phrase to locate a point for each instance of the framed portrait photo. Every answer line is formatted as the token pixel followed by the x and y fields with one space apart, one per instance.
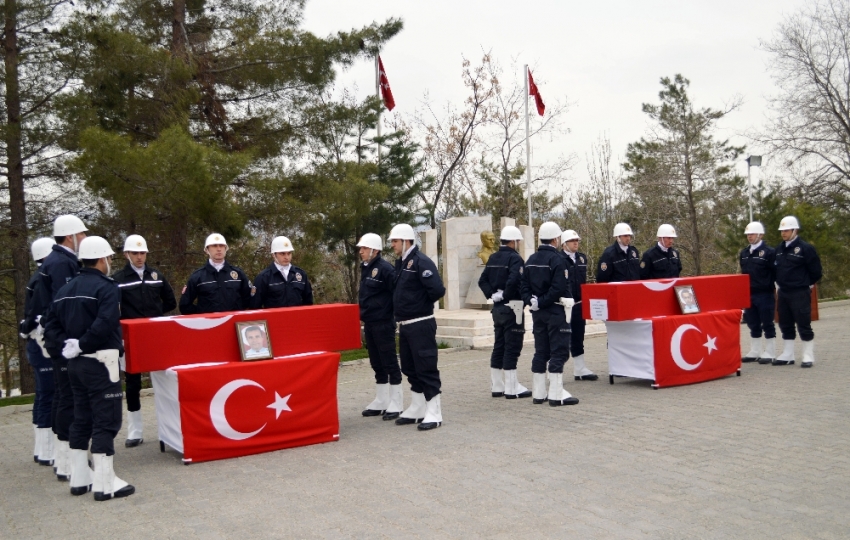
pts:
pixel 687 299
pixel 254 342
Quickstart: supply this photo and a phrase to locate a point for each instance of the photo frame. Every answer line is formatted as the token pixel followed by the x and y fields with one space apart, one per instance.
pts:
pixel 254 342
pixel 687 299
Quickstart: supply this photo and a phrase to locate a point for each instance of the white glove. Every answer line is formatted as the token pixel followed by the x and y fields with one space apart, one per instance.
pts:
pixel 811 287
pixel 534 306
pixel 37 331
pixel 498 296
pixel 72 348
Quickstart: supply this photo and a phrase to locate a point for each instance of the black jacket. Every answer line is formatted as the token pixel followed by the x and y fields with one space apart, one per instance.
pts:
pixel 577 271
pixel 376 290
pixel 58 268
pixel 226 290
pixel 271 291
pixel 658 264
pixel 797 265
pixel 88 308
pixel 615 265
pixel 24 326
pixel 417 286
pixel 141 298
pixel 760 265
pixel 503 272
pixel 545 277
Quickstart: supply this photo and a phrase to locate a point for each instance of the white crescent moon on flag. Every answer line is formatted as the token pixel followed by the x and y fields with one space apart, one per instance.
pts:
pixel 676 347
pixel 657 286
pixel 219 419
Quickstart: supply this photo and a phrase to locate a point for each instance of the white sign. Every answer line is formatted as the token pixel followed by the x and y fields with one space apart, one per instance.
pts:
pixel 599 310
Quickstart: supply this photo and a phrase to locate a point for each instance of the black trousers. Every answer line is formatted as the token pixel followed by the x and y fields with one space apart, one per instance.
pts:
pixel 380 342
pixel 417 346
pixel 795 307
pixel 97 406
pixel 759 315
pixel 577 326
pixel 509 335
pixel 63 399
pixel 42 407
pixel 551 340
pixel 133 388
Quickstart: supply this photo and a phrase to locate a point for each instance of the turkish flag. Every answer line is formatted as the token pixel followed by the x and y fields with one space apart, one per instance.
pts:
pixel 533 91
pixel 386 92
pixel 237 409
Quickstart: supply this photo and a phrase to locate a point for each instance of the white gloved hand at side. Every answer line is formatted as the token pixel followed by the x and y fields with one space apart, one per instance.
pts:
pixel 72 348
pixel 534 306
pixel 498 296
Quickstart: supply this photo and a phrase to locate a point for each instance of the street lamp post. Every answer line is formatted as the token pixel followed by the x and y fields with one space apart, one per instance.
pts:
pixel 752 161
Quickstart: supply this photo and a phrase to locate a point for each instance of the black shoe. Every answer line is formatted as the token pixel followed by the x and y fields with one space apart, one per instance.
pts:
pixel 568 401
pixel 805 364
pixel 428 425
pixel 539 401
pixel 63 477
pixel 45 462
pixel 591 377
pixel 391 415
pixel 402 421
pixel 35 458
pixel 782 362
pixel 372 412
pixel 525 394
pixel 125 491
pixel 748 359
pixel 132 443
pixel 764 361
pixel 498 394
pixel 81 490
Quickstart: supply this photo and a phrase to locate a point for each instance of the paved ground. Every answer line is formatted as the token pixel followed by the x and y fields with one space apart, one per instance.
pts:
pixel 764 455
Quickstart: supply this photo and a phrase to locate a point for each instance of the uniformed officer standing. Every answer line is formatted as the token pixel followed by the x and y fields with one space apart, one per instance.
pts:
pixel 758 261
pixel 144 293
pixel 500 282
pixel 620 261
pixel 661 261
pixel 417 286
pixel 42 367
pixel 84 326
pixel 218 285
pixel 60 267
pixel 545 288
pixel 281 284
pixel 576 264
pixel 798 269
pixel 376 311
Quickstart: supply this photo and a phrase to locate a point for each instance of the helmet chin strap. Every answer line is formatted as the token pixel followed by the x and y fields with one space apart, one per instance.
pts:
pixel 108 266
pixel 76 245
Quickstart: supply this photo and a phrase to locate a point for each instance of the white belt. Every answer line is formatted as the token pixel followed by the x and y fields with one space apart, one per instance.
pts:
pixel 411 321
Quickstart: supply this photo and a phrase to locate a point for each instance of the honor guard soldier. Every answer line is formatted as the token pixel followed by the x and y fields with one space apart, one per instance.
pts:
pixel 758 262
pixel 798 269
pixel 84 326
pixel 661 261
pixel 376 312
pixel 500 282
pixel 545 287
pixel 576 264
pixel 417 286
pixel 620 261
pixel 42 367
pixel 144 293
pixel 218 285
pixel 281 284
pixel 58 268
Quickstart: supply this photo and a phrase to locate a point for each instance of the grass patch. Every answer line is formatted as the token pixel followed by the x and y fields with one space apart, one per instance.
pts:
pixel 17 400
pixel 353 354
pixel 833 299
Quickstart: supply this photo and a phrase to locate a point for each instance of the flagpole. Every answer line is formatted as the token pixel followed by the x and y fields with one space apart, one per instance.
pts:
pixel 527 150
pixel 378 93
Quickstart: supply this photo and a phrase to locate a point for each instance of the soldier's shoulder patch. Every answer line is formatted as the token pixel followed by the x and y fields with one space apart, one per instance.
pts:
pixel 410 264
pixel 521 268
pixel 761 253
pixel 675 254
pixel 634 254
pixel 154 275
pixel 298 276
pixel 374 272
pixel 581 259
pixel 253 291
pixel 643 264
pixel 603 266
pixel 567 274
pixel 427 273
pixel 797 250
pixel 234 274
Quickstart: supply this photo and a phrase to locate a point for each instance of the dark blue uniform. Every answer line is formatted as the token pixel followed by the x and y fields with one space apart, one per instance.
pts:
pixel 618 265
pixel 547 278
pixel 578 276
pixel 760 264
pixel 41 365
pixel 797 269
pixel 504 272
pixel 227 289
pixel 376 312
pixel 417 286
pixel 659 264
pixel 88 309
pixel 272 291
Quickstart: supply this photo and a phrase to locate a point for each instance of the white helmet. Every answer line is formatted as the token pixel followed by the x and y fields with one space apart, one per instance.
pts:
pixel 41 248
pixel 95 247
pixel 281 244
pixel 568 235
pixel 371 241
pixel 788 223
pixel 666 231
pixel 510 233
pixel 549 231
pixel 754 228
pixel 215 239
pixel 402 231
pixel 134 242
pixel 67 225
pixel 623 229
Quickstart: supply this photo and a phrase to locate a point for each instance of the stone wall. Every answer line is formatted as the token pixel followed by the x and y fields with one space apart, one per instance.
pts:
pixel 461 240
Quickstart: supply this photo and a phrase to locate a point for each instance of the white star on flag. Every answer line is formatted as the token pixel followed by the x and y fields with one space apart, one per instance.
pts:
pixel 710 344
pixel 280 404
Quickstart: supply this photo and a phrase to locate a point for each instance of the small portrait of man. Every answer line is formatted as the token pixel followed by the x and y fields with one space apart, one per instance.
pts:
pixel 254 340
pixel 687 299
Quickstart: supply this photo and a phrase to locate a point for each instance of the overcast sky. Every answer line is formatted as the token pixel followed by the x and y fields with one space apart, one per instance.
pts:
pixel 605 57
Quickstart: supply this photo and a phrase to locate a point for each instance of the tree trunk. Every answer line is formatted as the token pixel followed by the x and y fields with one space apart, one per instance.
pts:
pixel 178 29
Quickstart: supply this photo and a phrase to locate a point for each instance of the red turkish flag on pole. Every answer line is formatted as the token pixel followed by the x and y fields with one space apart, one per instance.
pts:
pixel 386 92
pixel 533 91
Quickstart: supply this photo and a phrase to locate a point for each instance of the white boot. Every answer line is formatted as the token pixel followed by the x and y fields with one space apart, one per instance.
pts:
pixel 379 404
pixel 557 394
pixel 396 402
pixel 106 484
pixel 769 351
pixel 433 415
pixel 45 455
pixel 81 475
pixel 808 354
pixel 134 429
pixel 755 350
pixel 538 388
pixel 787 356
pixel 513 389
pixel 497 382
pixel 580 370
pixel 36 451
pixel 55 440
pixel 416 412
pixel 63 465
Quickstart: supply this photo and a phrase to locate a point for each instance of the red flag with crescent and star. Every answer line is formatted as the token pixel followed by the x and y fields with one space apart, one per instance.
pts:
pixel 533 91
pixel 386 92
